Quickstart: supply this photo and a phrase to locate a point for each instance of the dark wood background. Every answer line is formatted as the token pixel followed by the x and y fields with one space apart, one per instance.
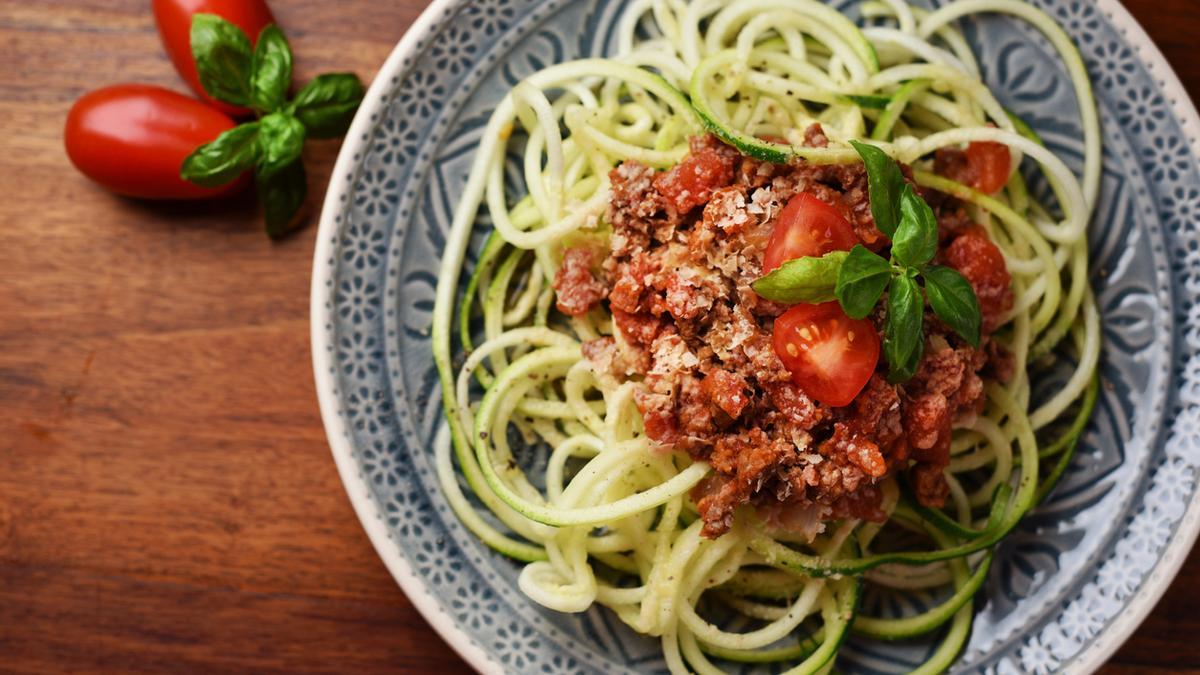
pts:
pixel 167 498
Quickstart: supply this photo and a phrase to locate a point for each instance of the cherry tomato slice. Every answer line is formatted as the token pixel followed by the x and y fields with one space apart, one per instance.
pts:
pixel 174 19
pixel 133 138
pixel 991 163
pixel 807 227
pixel 830 356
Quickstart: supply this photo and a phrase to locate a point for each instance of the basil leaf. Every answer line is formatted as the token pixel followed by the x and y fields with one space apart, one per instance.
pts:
pixel 224 159
pixel 811 280
pixel 282 139
pixel 917 235
pixel 271 74
pixel 954 302
pixel 282 194
pixel 884 183
pixel 861 281
pixel 326 105
pixel 904 340
pixel 223 59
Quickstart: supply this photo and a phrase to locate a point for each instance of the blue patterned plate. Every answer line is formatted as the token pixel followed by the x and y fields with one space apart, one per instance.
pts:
pixel 1069 586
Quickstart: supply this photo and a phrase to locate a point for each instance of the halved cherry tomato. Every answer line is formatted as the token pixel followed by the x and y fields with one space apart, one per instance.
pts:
pixel 174 19
pixel 807 227
pixel 830 356
pixel 991 163
pixel 133 138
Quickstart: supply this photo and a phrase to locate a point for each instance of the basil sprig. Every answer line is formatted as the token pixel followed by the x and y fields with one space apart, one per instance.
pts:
pixel 259 77
pixel 861 277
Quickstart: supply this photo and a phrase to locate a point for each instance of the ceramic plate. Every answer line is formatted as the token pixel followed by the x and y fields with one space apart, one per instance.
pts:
pixel 1068 587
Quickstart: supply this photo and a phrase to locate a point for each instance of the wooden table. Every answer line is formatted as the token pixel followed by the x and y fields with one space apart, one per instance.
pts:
pixel 167 499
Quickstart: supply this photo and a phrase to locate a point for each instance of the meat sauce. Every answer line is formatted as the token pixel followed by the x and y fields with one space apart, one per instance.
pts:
pixel 686 245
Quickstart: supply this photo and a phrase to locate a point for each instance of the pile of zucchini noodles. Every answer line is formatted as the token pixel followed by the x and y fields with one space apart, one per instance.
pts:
pixel 610 521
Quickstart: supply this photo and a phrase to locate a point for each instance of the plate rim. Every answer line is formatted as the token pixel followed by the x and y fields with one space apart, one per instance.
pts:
pixel 341 447
pixel 1106 643
pixel 338 436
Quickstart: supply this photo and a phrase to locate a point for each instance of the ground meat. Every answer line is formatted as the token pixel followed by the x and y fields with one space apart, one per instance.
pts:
pixel 685 247
pixel 728 391
pixel 952 219
pixel 1001 364
pixel 953 164
pixel 814 137
pixel 576 287
pixel 946 387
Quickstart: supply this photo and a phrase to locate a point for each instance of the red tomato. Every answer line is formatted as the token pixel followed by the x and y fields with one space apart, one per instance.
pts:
pixel 807 227
pixel 133 138
pixel 174 18
pixel 690 183
pixel 830 356
pixel 991 163
pixel 974 255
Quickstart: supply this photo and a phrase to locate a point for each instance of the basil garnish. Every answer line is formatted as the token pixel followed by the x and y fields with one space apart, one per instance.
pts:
pixel 861 276
pixel 232 71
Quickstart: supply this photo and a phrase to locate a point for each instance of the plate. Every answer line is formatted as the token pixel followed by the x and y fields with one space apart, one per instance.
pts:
pixel 1068 587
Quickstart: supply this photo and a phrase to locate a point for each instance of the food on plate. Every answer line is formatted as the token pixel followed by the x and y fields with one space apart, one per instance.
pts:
pixel 765 302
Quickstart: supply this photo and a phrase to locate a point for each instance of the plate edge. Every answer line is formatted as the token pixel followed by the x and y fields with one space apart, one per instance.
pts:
pixel 319 315
pixel 1167 569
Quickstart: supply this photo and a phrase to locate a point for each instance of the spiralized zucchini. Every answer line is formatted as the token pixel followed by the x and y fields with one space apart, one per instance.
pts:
pixel 610 521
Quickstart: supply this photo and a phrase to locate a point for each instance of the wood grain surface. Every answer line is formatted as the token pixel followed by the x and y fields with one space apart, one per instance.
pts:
pixel 167 499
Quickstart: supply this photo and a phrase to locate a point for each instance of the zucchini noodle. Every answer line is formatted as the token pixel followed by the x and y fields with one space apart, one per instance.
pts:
pixel 611 520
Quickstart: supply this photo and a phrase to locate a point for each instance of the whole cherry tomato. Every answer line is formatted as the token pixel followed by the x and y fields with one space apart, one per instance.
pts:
pixel 829 355
pixel 174 19
pixel 133 138
pixel 806 227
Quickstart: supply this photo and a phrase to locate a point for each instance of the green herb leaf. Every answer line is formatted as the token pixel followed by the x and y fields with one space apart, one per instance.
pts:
pixel 282 194
pixel 884 184
pixel 917 235
pixel 954 302
pixel 271 74
pixel 326 105
pixel 810 280
pixel 282 139
pixel 904 340
pixel 223 58
pixel 224 159
pixel 861 281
